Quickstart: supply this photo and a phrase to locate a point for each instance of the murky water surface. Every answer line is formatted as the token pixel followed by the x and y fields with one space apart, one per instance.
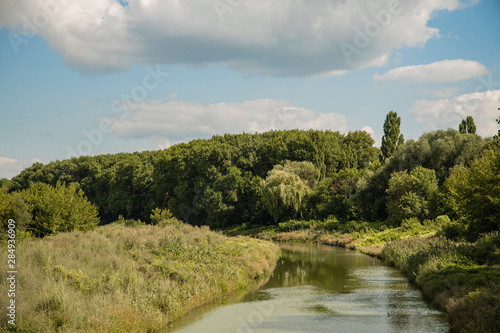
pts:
pixel 318 288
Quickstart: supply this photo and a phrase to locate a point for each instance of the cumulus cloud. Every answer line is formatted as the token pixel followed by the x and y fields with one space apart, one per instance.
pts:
pixel 10 167
pixel 439 71
pixel 377 138
pixel 445 113
pixel 281 38
pixel 174 121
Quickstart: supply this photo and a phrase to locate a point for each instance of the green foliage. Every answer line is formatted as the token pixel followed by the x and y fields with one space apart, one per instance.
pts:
pixel 467 126
pixel 412 194
pixel 442 220
pixel 131 223
pixel 59 208
pixel 218 181
pixel 293 225
pixel 361 144
pixel 473 195
pixel 214 182
pixel 158 215
pixel 462 128
pixel 12 206
pixel 410 223
pixel 440 151
pixel 118 184
pixel 283 194
pixel 392 137
pixel 370 197
pixel 333 196
pixel 305 170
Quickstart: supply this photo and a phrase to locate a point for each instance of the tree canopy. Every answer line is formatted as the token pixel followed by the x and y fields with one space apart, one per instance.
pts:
pixel 257 178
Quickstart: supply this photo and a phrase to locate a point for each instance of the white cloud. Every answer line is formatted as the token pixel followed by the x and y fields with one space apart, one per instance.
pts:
pixel 439 71
pixel 377 138
pixel 282 38
pixel 174 121
pixel 10 167
pixel 445 113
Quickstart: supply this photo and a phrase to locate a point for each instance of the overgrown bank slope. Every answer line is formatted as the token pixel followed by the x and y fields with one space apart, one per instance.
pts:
pixel 122 279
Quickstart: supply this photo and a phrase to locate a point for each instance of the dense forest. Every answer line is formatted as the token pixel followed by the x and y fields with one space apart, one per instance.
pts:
pixel 267 178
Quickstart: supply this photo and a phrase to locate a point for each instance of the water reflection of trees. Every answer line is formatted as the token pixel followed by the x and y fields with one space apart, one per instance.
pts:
pixel 321 266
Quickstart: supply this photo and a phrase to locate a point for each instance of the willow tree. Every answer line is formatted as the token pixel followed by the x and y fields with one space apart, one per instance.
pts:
pixel 392 135
pixel 304 169
pixel 283 194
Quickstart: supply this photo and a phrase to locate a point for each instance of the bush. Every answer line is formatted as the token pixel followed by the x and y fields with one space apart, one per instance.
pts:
pixel 293 225
pixel 60 208
pixel 159 215
pixel 456 229
pixel 131 223
pixel 410 223
pixel 441 220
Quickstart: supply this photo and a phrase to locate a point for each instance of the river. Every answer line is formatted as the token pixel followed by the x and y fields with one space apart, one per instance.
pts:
pixel 319 288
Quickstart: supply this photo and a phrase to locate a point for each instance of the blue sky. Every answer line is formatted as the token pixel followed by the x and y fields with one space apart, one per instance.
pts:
pixel 98 77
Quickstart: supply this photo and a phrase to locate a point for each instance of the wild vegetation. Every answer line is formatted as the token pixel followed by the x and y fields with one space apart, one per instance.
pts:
pixel 302 185
pixel 118 278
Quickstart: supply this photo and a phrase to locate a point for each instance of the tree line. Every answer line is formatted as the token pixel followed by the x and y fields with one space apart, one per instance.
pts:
pixel 266 178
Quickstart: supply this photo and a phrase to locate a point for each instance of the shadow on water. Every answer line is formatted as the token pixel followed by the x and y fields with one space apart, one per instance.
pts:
pixel 318 288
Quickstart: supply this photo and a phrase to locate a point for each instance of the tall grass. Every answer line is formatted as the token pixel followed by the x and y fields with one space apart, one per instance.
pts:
pixel 122 279
pixel 462 278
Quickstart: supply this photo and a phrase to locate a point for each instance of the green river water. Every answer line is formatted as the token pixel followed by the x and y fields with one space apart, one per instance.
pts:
pixel 319 288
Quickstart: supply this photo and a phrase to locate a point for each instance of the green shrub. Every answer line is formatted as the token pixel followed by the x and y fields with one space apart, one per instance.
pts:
pixel 59 208
pixel 159 215
pixel 457 229
pixel 441 220
pixel 293 225
pixel 131 223
pixel 410 223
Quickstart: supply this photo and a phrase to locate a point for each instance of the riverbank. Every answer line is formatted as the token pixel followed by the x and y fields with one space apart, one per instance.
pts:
pixel 129 279
pixel 461 278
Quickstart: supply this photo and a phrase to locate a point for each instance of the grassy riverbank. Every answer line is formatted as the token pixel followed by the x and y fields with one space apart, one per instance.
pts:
pixel 123 279
pixel 462 278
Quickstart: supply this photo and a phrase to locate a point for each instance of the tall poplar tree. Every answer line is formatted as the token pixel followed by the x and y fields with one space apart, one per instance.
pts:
pixel 467 126
pixel 392 135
